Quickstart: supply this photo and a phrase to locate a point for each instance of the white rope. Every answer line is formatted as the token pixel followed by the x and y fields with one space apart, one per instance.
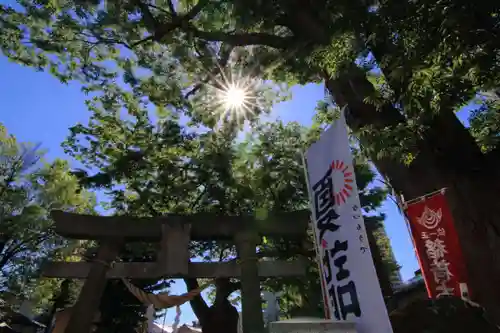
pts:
pixel 240 323
pixel 164 321
pixel 150 316
pixel 177 319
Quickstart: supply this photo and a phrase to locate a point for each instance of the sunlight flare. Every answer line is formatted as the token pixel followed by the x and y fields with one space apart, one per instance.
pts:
pixel 233 97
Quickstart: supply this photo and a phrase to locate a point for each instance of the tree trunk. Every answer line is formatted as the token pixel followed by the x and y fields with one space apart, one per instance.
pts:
pixel 222 316
pixel 450 161
pixel 59 302
pixel 448 157
pixel 84 311
pixel 472 202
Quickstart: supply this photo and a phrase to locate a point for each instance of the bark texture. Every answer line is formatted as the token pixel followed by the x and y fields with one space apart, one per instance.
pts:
pixel 222 316
pixel 455 163
pixel 448 157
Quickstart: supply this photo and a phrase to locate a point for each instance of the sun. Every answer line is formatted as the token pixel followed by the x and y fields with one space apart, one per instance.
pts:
pixel 343 180
pixel 234 97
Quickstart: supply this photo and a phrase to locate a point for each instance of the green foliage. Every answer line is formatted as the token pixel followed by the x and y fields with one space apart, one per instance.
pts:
pixel 278 150
pixel 47 294
pixel 134 57
pixel 120 310
pixel 430 57
pixel 28 191
pixel 151 166
pixel 435 58
pixel 485 123
pixel 338 55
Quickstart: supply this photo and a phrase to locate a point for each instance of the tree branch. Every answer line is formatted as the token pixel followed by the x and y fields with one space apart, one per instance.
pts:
pixel 234 286
pixel 169 14
pixel 142 41
pixel 222 63
pixel 198 199
pixel 198 304
pixel 161 30
pixel 221 254
pixel 243 39
pixel 183 21
pixel 20 247
pixel 172 8
pixel 157 30
pixel 223 288
pixel 195 10
pixel 148 17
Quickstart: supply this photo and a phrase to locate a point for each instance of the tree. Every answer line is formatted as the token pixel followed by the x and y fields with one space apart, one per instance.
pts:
pixel 28 191
pixel 120 310
pixel 151 165
pixel 221 315
pixel 280 185
pixel 432 57
pixel 60 300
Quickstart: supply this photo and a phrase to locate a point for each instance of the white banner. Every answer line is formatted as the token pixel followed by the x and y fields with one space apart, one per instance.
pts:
pixel 351 281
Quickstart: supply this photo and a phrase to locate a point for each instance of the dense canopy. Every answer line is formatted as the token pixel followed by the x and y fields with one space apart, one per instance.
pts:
pixel 403 68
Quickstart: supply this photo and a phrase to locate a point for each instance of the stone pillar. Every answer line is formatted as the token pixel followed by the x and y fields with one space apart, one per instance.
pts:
pixel 174 254
pixel 250 283
pixel 85 309
pixel 272 310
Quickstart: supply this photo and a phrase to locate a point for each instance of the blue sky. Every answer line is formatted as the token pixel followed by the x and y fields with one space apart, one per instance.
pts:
pixel 35 107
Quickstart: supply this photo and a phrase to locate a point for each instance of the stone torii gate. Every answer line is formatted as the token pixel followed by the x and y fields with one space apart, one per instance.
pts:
pixel 174 232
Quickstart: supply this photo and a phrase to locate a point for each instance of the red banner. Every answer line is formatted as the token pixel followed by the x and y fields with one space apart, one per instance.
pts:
pixel 438 247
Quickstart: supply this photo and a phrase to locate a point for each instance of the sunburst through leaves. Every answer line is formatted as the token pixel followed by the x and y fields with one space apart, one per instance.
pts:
pixel 234 98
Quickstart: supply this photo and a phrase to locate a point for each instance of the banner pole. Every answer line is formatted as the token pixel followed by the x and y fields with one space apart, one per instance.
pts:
pixel 426 196
pixel 402 205
pixel 317 248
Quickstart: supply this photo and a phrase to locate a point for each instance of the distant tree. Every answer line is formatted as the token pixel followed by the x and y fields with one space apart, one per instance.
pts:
pixel 280 185
pixel 29 190
pixel 150 165
pixel 120 310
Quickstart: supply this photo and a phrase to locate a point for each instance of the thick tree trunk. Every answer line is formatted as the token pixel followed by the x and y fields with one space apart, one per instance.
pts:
pixel 447 158
pixel 472 202
pixel 222 316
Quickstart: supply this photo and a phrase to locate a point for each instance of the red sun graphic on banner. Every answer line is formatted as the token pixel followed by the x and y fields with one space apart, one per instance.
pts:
pixel 342 179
